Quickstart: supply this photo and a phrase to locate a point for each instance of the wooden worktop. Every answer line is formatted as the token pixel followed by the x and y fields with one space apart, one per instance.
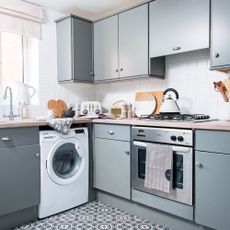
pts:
pixel 210 125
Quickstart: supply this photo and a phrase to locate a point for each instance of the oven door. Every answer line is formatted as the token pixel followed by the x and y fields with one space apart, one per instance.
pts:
pixel 182 189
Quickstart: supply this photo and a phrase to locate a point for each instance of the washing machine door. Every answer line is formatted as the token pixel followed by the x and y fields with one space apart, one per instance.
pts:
pixel 66 161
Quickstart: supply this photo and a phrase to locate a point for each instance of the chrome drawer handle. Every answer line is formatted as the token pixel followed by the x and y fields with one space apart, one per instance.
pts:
pixel 177 48
pixel 6 139
pixel 37 155
pixel 127 152
pixel 111 132
pixel 199 165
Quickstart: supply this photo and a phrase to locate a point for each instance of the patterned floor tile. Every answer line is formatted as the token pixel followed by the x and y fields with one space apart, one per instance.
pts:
pixel 93 216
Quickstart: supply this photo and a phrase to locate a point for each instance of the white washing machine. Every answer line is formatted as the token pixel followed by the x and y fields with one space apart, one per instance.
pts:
pixel 64 170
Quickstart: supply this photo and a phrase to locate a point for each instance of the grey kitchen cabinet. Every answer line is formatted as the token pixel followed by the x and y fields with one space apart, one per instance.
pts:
pixel 121 46
pixel 220 34
pixel 178 26
pixel 133 42
pixel 74 49
pixel 212 188
pixel 112 161
pixel 19 176
pixel 106 49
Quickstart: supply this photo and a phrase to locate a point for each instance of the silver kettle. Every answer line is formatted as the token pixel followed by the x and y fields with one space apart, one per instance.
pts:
pixel 169 105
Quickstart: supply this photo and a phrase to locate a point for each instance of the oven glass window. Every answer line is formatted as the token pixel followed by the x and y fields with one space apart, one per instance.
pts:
pixel 177 168
pixel 141 162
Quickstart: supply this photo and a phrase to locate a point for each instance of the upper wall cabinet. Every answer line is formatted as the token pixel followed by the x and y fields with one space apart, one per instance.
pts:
pixel 121 45
pixel 220 34
pixel 74 50
pixel 106 49
pixel 178 26
pixel 133 42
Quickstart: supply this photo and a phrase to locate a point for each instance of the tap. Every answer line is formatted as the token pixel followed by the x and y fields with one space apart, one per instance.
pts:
pixel 11 116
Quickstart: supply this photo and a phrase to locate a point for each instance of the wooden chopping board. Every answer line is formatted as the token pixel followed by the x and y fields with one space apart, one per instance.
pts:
pixel 145 96
pixel 58 107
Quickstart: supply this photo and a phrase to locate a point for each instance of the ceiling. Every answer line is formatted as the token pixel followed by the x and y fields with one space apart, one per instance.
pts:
pixel 91 9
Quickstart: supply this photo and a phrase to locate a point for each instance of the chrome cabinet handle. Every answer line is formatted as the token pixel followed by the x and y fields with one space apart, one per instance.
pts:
pixel 199 165
pixel 216 55
pixel 116 70
pixel 111 132
pixel 121 69
pixel 127 152
pixel 37 155
pixel 6 139
pixel 177 48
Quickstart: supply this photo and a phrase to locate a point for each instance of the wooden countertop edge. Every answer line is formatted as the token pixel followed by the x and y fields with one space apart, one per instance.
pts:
pixel 34 123
pixel 211 125
pixel 218 125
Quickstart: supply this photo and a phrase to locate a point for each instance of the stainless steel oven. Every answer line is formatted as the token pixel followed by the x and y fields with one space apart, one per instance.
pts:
pixel 182 170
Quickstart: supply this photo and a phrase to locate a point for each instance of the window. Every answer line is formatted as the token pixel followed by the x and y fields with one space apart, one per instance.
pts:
pixel 11 58
pixel 18 62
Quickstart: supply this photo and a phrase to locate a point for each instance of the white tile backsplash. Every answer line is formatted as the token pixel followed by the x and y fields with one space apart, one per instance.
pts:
pixel 188 73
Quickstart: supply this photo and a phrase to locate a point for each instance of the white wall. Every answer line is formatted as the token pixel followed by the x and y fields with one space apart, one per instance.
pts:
pixel 71 93
pixel 188 73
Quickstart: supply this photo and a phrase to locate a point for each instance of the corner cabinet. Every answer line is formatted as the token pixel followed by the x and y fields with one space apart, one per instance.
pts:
pixel 212 187
pixel 74 49
pixel 178 26
pixel 220 34
pixel 112 159
pixel 121 45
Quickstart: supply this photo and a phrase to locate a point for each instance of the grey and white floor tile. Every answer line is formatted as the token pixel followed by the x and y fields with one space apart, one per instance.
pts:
pixel 93 216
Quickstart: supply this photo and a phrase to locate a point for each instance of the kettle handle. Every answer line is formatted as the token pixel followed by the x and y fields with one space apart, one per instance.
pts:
pixel 172 90
pixel 33 91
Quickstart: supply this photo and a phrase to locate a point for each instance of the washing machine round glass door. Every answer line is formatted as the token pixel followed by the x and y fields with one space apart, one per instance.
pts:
pixel 65 161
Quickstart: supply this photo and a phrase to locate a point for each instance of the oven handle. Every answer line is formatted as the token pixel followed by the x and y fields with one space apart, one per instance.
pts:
pixel 174 148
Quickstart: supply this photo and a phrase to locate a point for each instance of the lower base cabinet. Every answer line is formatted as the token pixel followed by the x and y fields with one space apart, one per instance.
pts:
pixel 212 190
pixel 112 166
pixel 19 178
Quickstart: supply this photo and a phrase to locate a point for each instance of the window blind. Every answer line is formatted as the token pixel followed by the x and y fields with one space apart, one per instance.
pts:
pixel 20 17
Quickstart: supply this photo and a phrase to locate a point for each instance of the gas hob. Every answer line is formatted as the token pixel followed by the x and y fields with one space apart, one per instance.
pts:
pixel 177 117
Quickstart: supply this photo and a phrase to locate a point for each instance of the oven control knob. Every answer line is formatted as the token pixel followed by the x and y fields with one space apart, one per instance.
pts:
pixel 173 138
pixel 180 139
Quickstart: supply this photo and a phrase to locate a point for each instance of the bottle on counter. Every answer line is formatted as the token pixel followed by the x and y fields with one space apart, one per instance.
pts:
pixel 129 111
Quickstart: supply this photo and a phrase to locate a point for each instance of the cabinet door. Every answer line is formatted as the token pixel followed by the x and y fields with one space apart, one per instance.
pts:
pixel 64 50
pixel 82 46
pixel 19 178
pixel 212 203
pixel 220 33
pixel 178 26
pixel 112 166
pixel 133 42
pixel 106 49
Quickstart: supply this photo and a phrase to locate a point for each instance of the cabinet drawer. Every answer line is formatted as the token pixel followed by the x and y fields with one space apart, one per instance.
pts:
pixel 114 132
pixel 212 141
pixel 18 137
